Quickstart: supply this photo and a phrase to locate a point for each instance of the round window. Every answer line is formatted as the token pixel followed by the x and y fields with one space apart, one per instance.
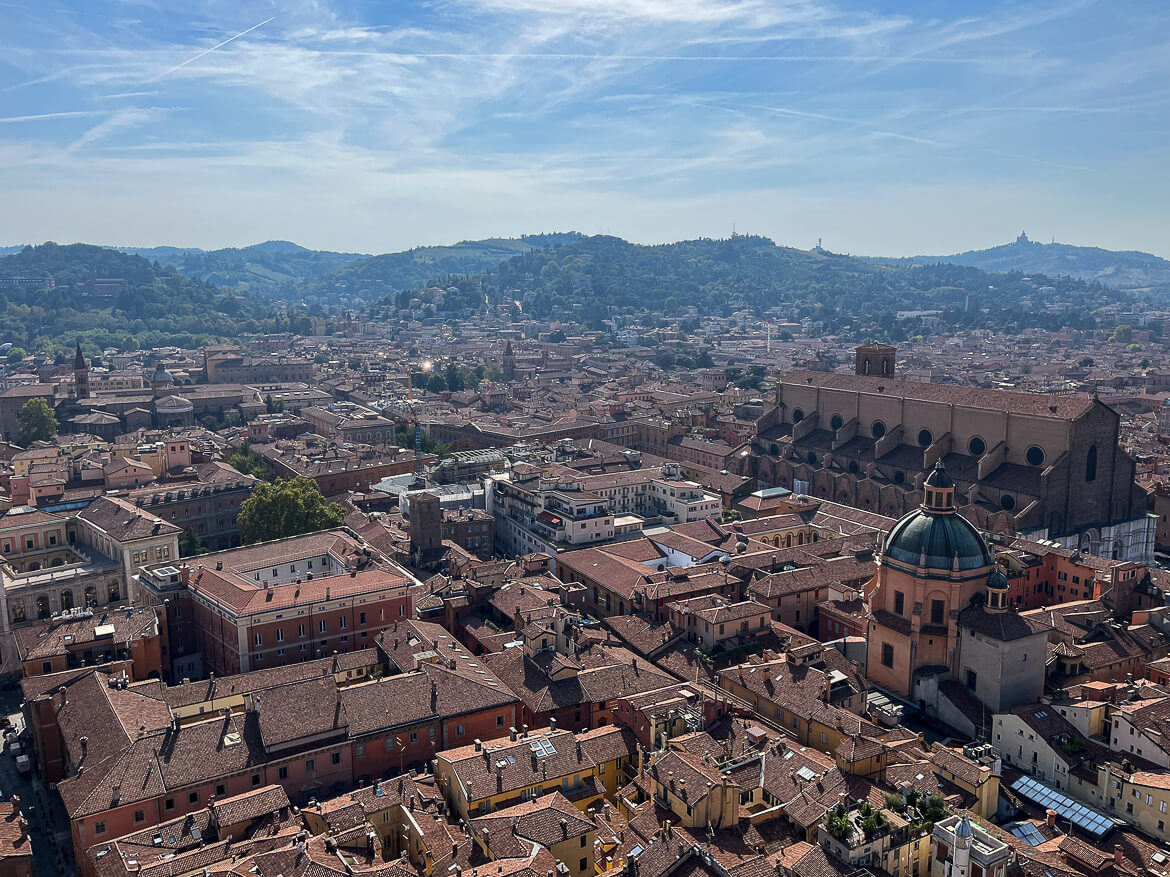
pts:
pixel 797 415
pixel 899 477
pixel 977 446
pixel 878 429
pixel 812 458
pixel 1007 502
pixel 925 438
pixel 1034 455
pixel 835 422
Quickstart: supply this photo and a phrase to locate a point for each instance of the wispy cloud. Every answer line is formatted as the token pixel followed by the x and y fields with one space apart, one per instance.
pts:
pixel 589 107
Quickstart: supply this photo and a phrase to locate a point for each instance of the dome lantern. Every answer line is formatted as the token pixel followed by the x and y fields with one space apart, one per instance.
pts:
pixel 938 490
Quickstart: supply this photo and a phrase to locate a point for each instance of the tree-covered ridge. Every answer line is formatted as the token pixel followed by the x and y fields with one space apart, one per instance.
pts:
pixel 156 305
pixel 263 269
pixel 597 278
pixel 375 276
pixel 1121 269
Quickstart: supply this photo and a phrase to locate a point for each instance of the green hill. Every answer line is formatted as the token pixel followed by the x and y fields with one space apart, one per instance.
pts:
pixel 375 276
pixel 136 301
pixel 596 278
pixel 1121 269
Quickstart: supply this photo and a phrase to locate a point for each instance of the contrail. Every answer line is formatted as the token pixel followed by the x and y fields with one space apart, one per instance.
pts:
pixel 209 51
pixel 39 116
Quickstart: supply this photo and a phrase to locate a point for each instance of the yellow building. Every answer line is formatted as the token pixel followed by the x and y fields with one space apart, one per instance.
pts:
pixel 978 780
pixel 698 793
pixel 804 696
pixel 488 776
pixel 552 822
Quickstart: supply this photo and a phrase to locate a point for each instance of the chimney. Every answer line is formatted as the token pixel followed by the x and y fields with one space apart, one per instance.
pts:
pixel 1117 858
pixel 552 724
pixel 84 747
pixel 1050 818
pixel 525 732
pixel 512 734
pixel 565 832
pixel 478 745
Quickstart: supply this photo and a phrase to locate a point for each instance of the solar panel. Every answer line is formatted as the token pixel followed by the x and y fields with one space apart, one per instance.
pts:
pixel 1028 833
pixel 1078 814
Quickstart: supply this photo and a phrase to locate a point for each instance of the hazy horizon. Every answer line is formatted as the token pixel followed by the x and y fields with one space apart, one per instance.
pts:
pixel 125 246
pixel 884 127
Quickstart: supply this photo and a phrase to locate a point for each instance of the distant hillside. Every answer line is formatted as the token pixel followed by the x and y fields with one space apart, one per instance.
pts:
pixel 1126 269
pixel 595 278
pixel 375 276
pixel 268 269
pixel 141 302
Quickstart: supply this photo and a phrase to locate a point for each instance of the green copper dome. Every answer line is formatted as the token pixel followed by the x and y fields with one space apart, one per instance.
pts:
pixel 941 536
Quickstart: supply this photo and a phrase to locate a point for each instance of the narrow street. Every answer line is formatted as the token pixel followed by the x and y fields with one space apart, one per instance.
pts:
pixel 48 825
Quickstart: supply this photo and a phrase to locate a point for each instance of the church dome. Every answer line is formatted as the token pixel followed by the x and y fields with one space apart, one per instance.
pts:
pixel 963 829
pixel 161 376
pixel 997 580
pixel 935 536
pixel 941 537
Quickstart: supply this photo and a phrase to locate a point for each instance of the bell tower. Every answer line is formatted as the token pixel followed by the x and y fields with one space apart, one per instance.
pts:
pixel 81 374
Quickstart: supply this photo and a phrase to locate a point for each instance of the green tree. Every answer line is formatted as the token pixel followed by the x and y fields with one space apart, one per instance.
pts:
pixel 437 384
pixel 37 421
pixel 16 354
pixel 251 463
pixel 1123 333
pixel 289 507
pixel 455 380
pixel 190 545
pixel 556 337
pixel 1087 362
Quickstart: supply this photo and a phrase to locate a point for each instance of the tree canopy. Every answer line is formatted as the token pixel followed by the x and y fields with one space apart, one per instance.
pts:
pixel 289 507
pixel 36 421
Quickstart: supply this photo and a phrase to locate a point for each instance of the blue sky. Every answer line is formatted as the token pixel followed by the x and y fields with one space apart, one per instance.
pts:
pixel 884 127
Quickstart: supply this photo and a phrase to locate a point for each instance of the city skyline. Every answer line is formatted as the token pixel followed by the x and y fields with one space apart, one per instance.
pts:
pixel 878 126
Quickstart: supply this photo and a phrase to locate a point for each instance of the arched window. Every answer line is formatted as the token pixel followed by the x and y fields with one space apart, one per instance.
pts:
pixel 66 600
pixel 17 608
pixel 836 422
pixel 797 415
pixel 867 366
pixel 1091 464
pixel 43 606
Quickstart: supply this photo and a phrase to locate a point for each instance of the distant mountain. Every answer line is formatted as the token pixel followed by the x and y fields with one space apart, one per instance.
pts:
pixel 599 279
pixel 1125 269
pixel 372 277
